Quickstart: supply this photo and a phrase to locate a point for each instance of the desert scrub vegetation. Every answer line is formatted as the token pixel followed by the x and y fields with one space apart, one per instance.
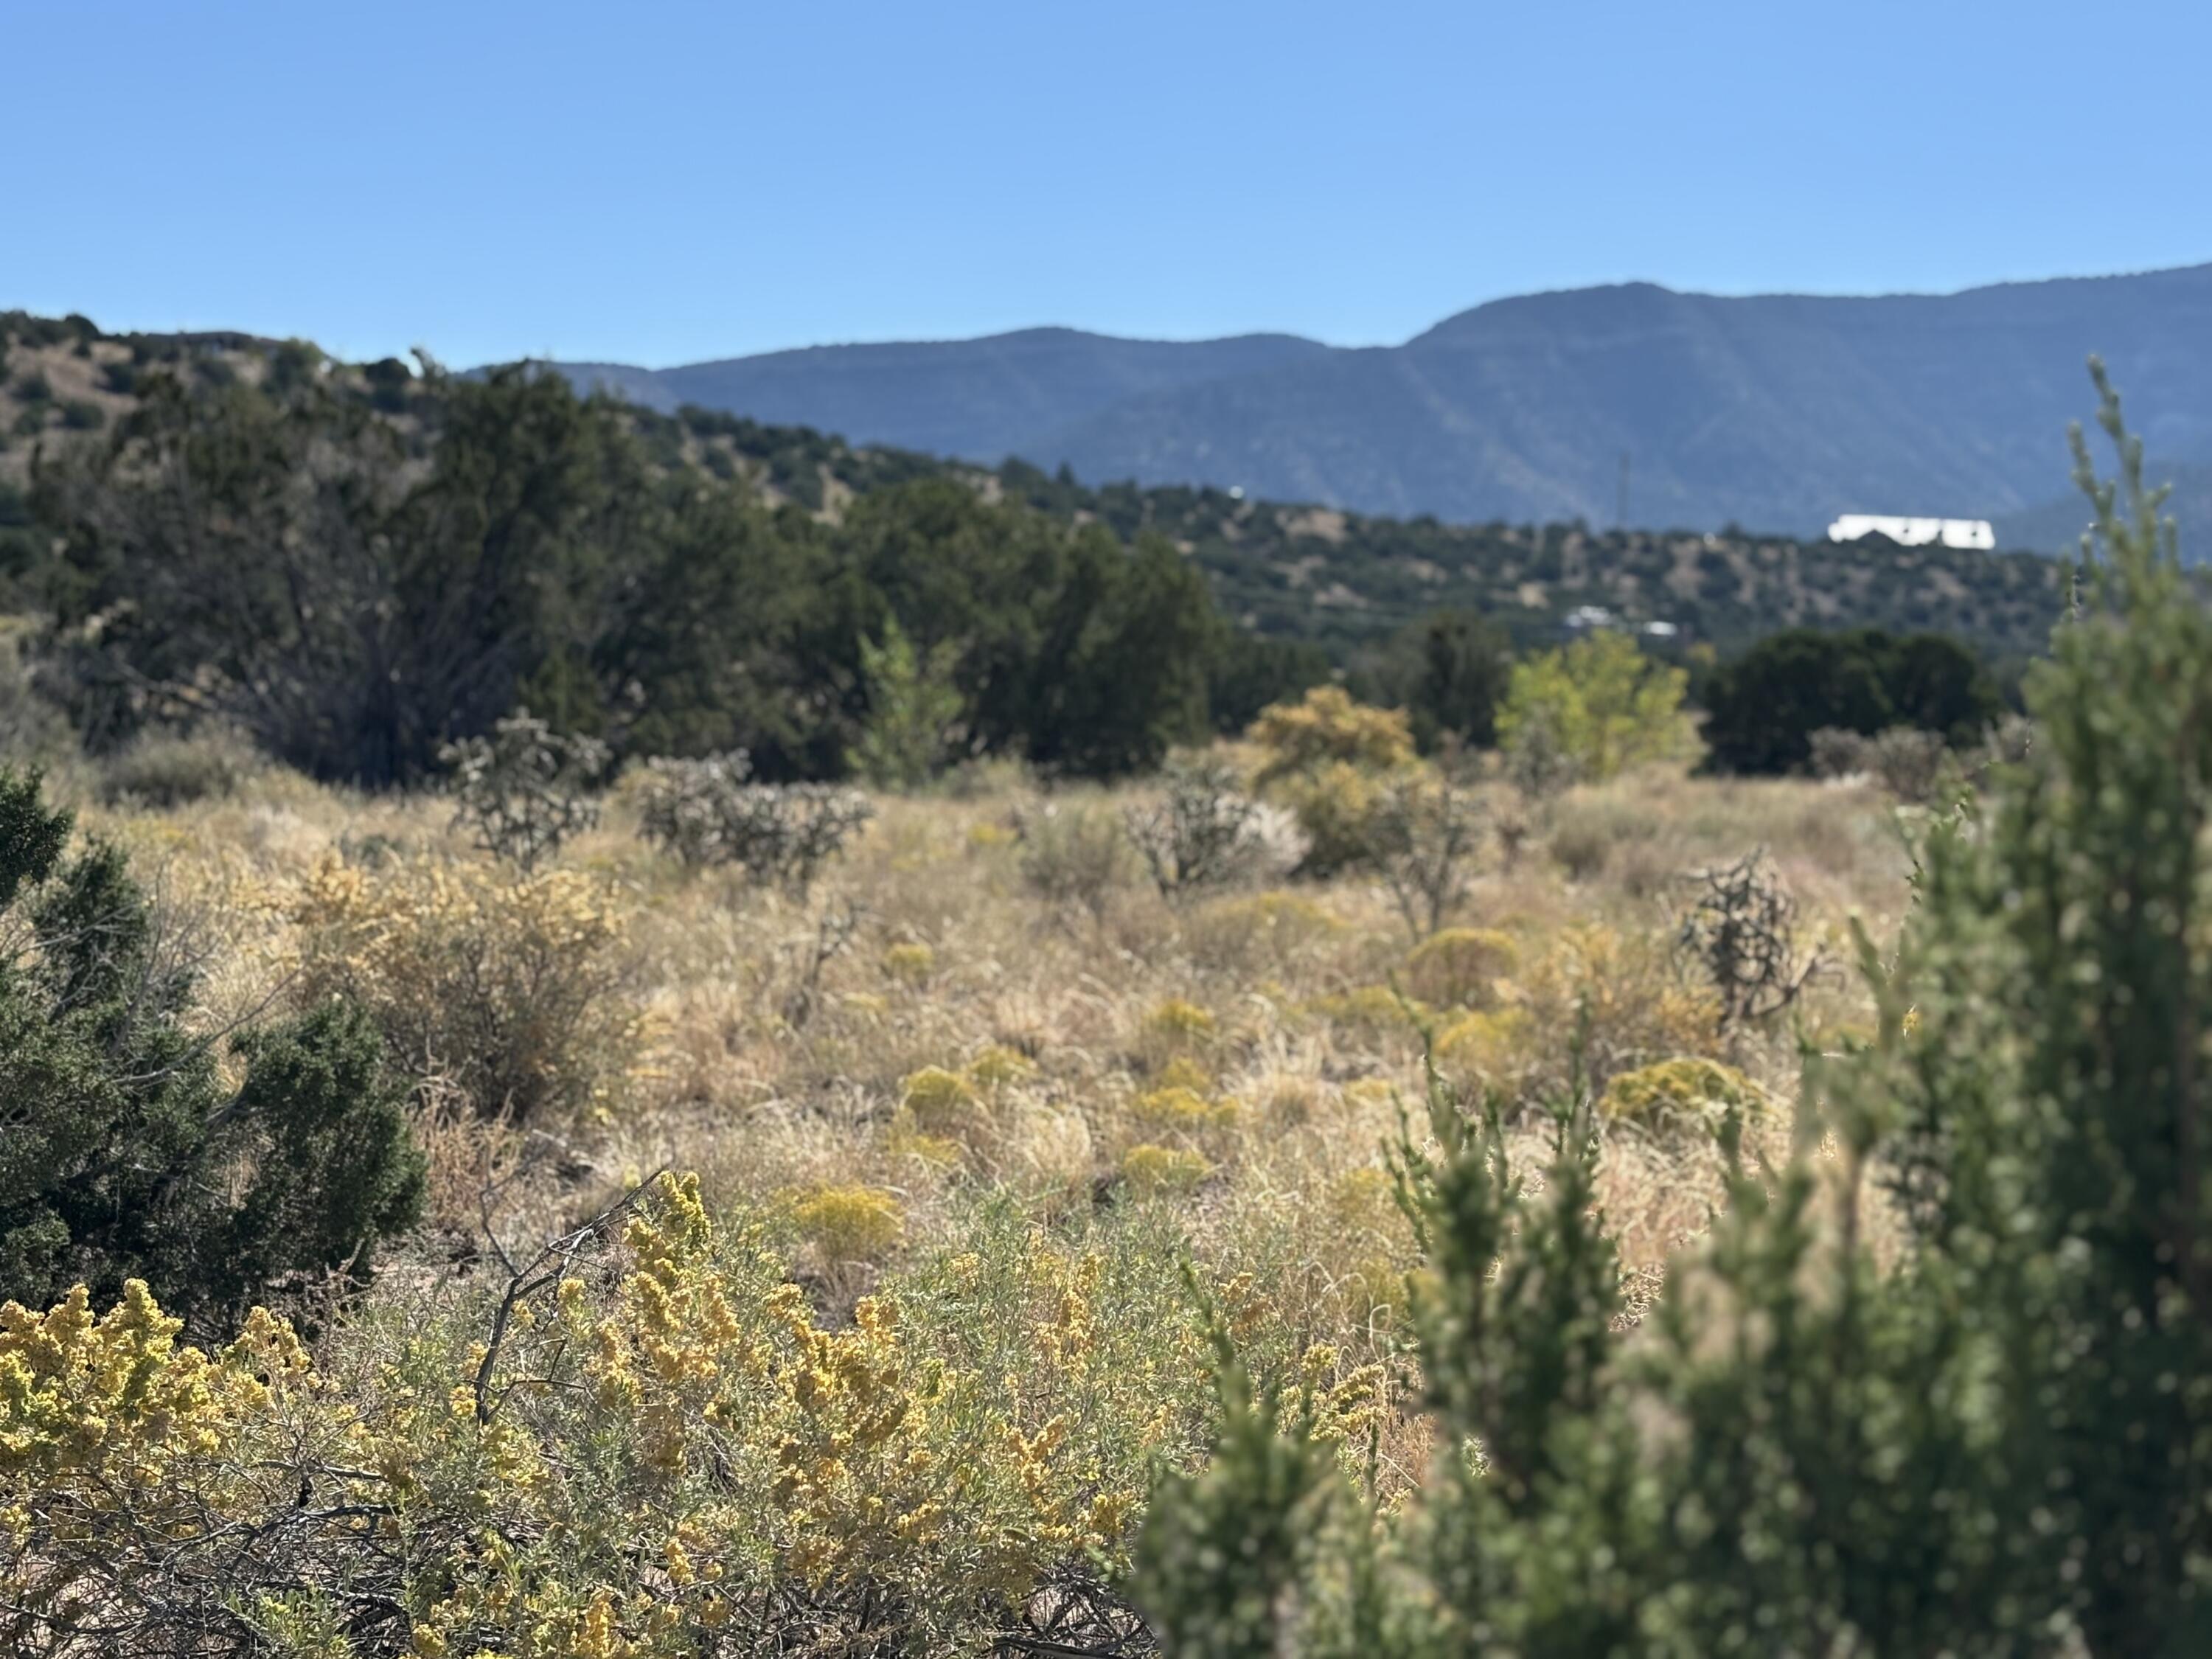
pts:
pixel 896 1361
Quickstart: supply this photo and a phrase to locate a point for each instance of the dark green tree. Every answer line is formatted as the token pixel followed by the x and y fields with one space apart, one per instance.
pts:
pixel 1448 670
pixel 125 1155
pixel 1762 710
pixel 1763 707
pixel 1253 671
pixel 1122 671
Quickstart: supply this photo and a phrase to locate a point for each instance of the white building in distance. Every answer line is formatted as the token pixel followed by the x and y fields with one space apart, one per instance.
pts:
pixel 1915 532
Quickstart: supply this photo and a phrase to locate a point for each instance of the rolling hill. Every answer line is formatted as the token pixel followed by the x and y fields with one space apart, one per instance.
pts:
pixel 1279 568
pixel 1771 411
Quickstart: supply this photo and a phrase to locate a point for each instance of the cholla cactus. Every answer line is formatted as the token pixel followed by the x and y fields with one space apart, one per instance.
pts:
pixel 1742 926
pixel 705 813
pixel 523 791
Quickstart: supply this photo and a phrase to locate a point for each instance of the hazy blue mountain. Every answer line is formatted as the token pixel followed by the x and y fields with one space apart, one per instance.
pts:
pixel 979 399
pixel 1772 412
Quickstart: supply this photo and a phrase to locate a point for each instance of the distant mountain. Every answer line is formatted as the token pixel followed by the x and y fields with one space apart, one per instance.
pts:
pixel 1775 411
pixel 979 400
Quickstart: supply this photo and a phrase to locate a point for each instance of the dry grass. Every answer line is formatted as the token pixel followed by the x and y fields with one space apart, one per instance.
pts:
pixel 1252 1035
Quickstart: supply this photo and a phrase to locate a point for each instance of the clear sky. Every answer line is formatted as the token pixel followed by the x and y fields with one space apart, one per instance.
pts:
pixel 656 183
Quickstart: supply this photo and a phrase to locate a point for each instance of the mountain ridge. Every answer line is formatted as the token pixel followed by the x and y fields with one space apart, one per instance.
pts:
pixel 1774 411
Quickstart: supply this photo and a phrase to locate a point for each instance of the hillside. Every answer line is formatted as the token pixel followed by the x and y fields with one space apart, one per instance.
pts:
pixel 1279 568
pixel 1773 412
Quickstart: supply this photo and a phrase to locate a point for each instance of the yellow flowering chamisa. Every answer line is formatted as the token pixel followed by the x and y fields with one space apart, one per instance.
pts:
pixel 662 1440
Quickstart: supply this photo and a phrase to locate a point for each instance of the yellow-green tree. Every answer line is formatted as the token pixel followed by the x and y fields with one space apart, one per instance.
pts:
pixel 1599 702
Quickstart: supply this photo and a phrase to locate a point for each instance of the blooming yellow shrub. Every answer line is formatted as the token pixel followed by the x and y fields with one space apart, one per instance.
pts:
pixel 1184 1072
pixel 1459 967
pixel 515 990
pixel 1337 806
pixel 1328 726
pixel 1327 758
pixel 1489 1045
pixel 910 963
pixel 663 1444
pixel 1177 1026
pixel 1637 1007
pixel 1183 1111
pixel 1682 1094
pixel 999 1067
pixel 1159 1169
pixel 850 1223
pixel 940 1099
pixel 109 1427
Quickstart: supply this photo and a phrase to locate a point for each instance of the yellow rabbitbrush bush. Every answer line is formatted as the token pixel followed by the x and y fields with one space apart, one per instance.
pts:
pixel 1675 1095
pixel 116 1442
pixel 1150 1170
pixel 973 1114
pixel 910 963
pixel 517 990
pixel 1459 967
pixel 1329 727
pixel 1623 993
pixel 1327 757
pixel 850 1223
pixel 660 1446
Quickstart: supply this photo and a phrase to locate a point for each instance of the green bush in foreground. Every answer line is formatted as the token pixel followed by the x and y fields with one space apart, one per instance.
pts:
pixel 122 1153
pixel 2000 1445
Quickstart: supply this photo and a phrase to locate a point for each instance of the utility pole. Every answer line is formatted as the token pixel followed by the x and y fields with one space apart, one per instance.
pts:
pixel 1624 490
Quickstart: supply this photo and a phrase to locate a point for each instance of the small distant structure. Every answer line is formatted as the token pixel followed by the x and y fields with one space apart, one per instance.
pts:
pixel 1974 533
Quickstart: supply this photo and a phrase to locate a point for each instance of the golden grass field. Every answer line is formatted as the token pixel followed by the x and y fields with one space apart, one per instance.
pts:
pixel 967 1035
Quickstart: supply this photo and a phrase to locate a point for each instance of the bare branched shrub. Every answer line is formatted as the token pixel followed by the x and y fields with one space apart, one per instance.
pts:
pixel 162 769
pixel 524 790
pixel 1074 856
pixel 1838 752
pixel 1427 834
pixel 1537 760
pixel 705 813
pixel 831 936
pixel 1912 763
pixel 1206 832
pixel 2008 743
pixel 1741 928
pixel 516 991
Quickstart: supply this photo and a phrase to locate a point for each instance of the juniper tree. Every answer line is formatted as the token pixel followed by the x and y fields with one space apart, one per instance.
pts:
pixel 124 1153
pixel 1998 1444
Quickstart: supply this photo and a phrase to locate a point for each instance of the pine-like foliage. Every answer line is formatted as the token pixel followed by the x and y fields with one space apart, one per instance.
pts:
pixel 123 1154
pixel 1999 1443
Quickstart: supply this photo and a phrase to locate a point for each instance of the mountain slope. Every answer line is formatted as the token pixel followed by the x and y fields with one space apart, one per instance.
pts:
pixel 980 399
pixel 1776 411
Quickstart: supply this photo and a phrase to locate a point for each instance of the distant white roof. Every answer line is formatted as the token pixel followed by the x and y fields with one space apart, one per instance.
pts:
pixel 1914 533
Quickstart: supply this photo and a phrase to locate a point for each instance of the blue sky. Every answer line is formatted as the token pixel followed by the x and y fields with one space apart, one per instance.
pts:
pixel 659 183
